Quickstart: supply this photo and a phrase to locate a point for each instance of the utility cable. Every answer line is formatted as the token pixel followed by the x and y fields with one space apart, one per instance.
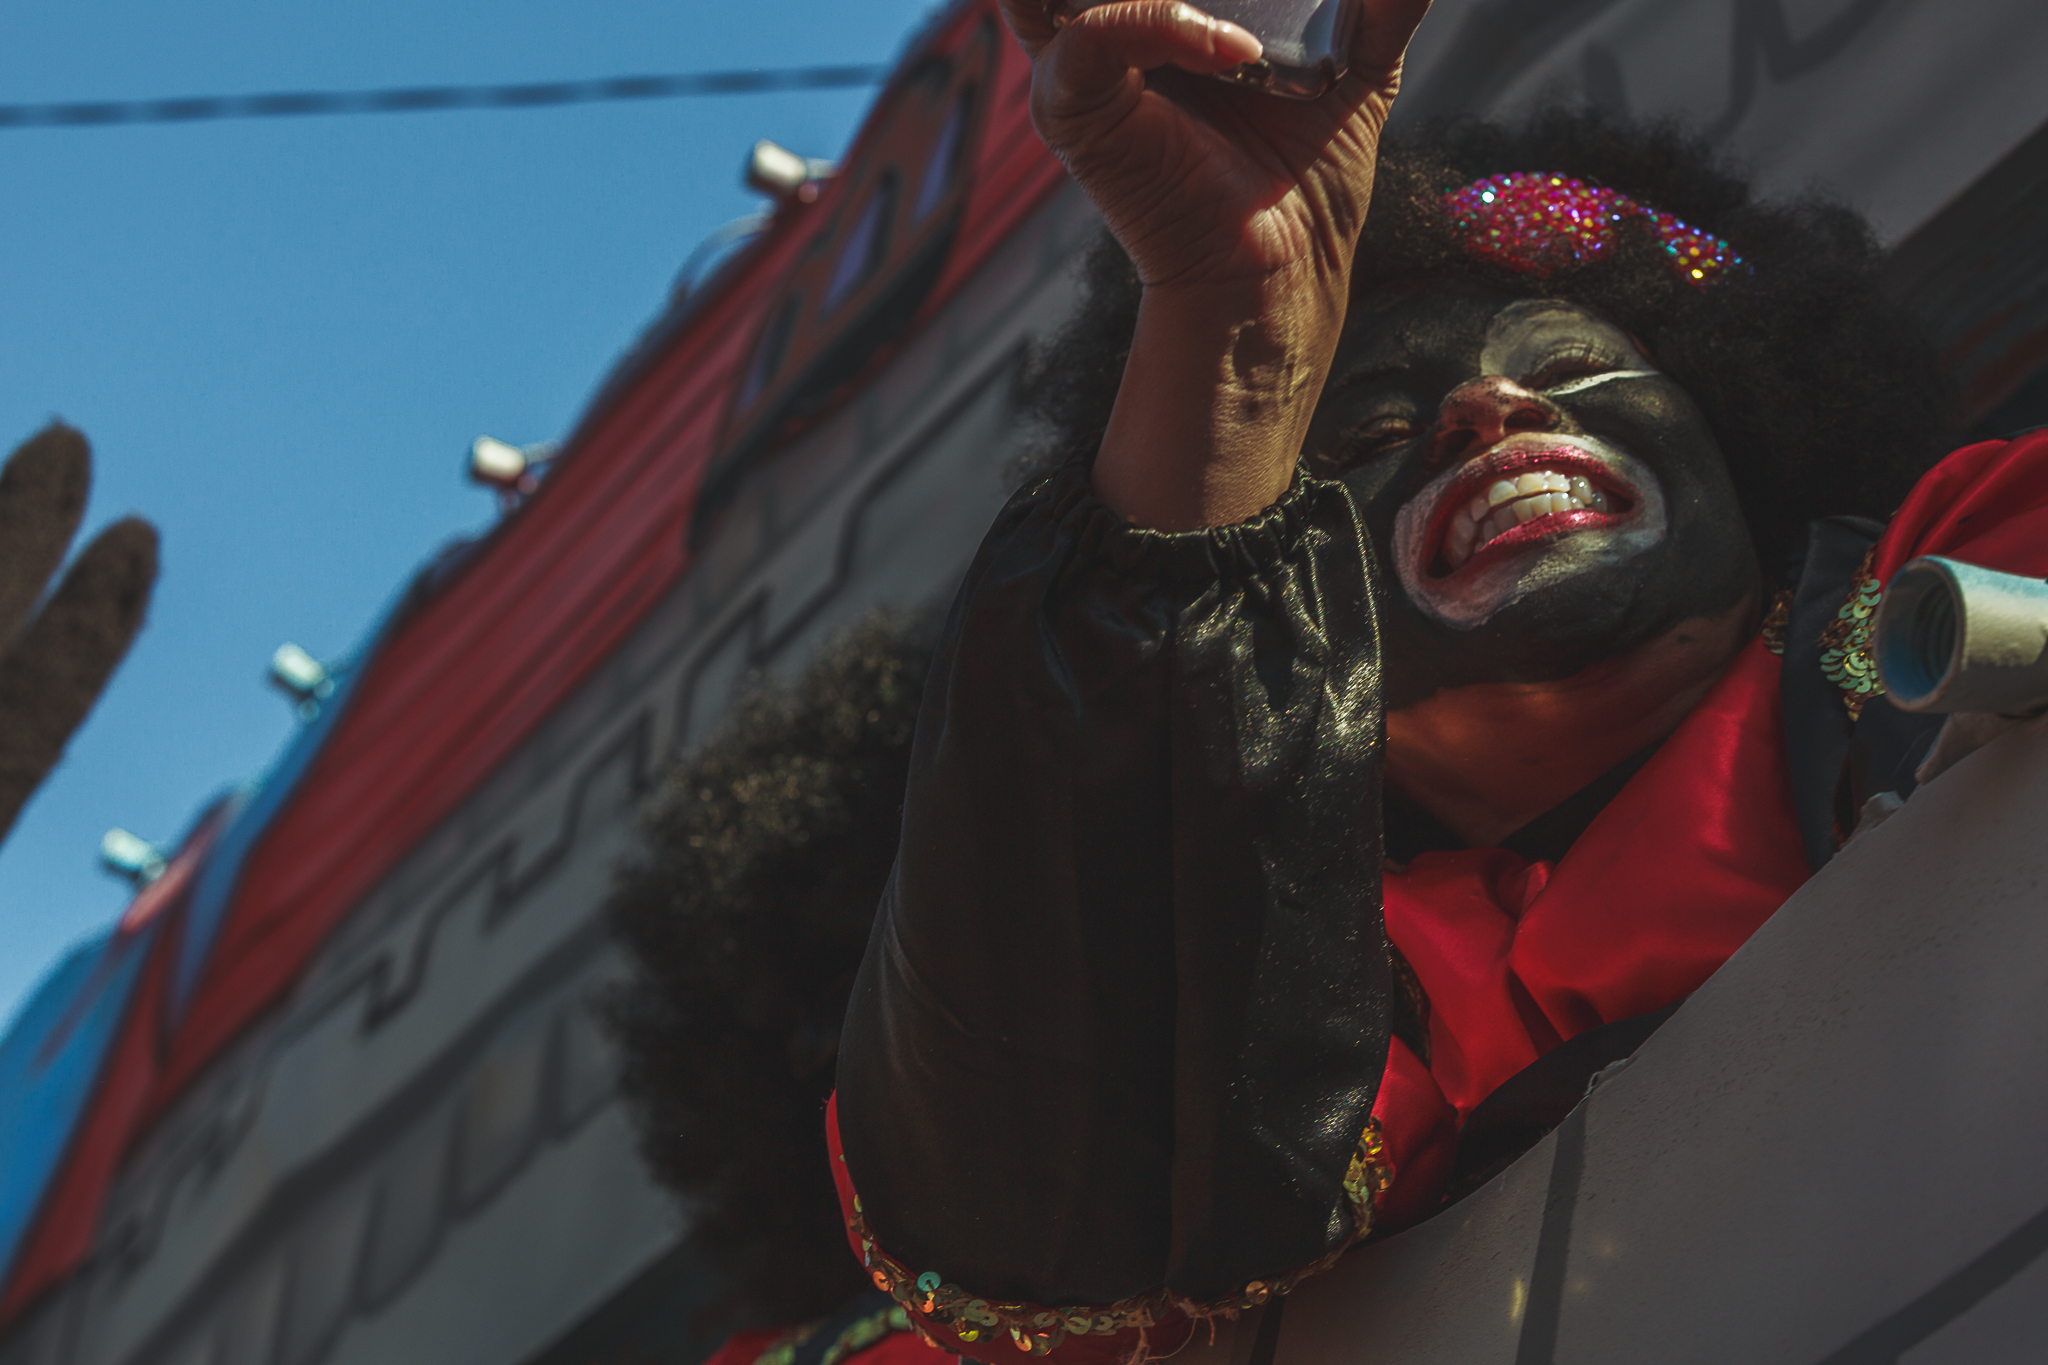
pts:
pixel 435 98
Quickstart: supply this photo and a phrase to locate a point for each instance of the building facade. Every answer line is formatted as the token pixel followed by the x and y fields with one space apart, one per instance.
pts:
pixel 331 1091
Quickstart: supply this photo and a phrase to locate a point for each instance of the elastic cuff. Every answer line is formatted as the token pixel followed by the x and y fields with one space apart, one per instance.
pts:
pixel 1254 549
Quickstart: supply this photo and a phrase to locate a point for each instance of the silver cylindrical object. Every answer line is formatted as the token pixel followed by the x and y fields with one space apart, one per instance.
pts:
pixel 1951 636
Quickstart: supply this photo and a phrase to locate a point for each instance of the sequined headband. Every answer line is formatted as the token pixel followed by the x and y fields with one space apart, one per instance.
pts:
pixel 1539 223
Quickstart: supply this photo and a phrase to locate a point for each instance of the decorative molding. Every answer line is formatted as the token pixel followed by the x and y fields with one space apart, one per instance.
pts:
pixel 439 1055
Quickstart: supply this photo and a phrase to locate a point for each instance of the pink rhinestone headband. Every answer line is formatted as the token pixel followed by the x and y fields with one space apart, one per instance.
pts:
pixel 1538 223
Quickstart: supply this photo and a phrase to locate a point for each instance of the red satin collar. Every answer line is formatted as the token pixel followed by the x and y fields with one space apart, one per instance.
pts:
pixel 1687 860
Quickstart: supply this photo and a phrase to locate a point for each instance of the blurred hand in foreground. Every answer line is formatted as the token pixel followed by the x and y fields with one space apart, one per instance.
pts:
pixel 54 661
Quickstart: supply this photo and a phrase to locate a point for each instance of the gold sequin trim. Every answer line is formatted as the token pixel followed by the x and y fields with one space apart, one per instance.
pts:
pixel 788 1344
pixel 1777 621
pixel 1037 1330
pixel 863 1333
pixel 866 1332
pixel 1845 641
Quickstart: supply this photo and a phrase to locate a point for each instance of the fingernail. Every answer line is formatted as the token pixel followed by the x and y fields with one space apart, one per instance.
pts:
pixel 1236 43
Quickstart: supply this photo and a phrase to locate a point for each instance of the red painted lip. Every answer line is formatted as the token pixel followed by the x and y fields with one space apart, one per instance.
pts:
pixel 1479 473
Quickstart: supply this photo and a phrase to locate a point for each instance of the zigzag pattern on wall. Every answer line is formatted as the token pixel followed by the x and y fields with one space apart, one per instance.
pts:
pixel 439 1059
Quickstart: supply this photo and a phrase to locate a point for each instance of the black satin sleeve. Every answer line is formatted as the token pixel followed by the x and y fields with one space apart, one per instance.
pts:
pixel 1125 1009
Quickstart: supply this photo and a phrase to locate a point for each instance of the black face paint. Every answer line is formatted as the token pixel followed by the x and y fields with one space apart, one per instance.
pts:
pixel 1540 497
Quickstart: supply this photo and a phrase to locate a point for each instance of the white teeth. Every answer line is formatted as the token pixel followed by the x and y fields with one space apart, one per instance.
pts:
pixel 1464 532
pixel 1538 481
pixel 1509 503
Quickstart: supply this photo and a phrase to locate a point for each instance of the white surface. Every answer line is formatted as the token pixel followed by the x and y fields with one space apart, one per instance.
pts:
pixel 1801 1165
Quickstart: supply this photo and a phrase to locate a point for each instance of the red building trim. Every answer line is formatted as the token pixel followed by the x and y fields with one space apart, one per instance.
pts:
pixel 456 688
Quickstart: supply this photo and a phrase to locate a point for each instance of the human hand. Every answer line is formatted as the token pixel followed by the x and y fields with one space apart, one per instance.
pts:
pixel 55 661
pixel 1205 183
pixel 1241 211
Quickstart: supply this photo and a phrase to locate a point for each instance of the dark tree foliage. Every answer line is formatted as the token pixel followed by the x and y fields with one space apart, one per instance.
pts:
pixel 1825 396
pixel 746 916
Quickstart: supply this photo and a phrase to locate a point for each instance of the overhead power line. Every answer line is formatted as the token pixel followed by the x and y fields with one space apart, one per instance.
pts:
pixel 434 98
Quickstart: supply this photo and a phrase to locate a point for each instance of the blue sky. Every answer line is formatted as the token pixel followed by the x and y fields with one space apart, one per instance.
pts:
pixel 281 335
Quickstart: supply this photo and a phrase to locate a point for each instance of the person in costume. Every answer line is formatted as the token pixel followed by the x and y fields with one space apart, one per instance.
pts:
pixel 1445 647
pixel 743 915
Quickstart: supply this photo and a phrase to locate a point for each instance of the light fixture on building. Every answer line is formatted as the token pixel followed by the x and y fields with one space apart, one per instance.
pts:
pixel 301 677
pixel 779 173
pixel 131 857
pixel 496 463
pixel 514 471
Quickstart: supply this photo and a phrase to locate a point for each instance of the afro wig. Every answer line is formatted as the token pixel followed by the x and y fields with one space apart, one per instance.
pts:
pixel 764 857
pixel 1824 395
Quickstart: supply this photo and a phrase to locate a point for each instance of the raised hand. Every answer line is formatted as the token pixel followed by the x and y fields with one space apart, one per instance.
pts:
pixel 1202 181
pixel 1241 211
pixel 54 663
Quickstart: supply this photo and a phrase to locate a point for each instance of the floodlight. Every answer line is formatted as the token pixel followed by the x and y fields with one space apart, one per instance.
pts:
pixel 779 173
pixel 131 857
pixel 299 675
pixel 496 463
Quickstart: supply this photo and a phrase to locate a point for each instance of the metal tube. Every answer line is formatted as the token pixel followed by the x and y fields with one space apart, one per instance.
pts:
pixel 1951 636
